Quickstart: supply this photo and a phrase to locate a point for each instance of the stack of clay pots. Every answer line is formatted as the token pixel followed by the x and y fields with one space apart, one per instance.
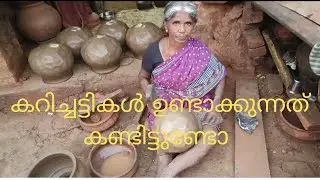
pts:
pixel 57 52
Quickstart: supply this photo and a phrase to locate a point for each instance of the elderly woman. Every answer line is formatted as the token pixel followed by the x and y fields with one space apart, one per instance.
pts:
pixel 179 66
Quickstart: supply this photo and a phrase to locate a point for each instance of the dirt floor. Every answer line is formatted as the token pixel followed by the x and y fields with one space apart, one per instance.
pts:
pixel 288 157
pixel 25 138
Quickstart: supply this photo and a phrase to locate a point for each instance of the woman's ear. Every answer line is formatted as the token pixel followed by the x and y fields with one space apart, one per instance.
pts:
pixel 165 26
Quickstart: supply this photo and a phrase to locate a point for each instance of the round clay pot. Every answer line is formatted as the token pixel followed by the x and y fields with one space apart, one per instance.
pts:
pixel 105 121
pixel 114 28
pixel 39 21
pixel 140 36
pixel 93 20
pixel 124 159
pixel 26 3
pixel 172 122
pixel 290 124
pixel 53 40
pixel 74 38
pixel 53 62
pixel 94 30
pixel 102 53
pixel 59 165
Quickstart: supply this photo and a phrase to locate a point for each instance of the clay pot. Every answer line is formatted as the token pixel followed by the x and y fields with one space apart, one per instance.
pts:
pixel 140 36
pixel 39 21
pixel 53 62
pixel 290 124
pixel 93 20
pixel 144 5
pixel 99 121
pixel 172 122
pixel 102 53
pixel 99 153
pixel 160 3
pixel 74 38
pixel 59 165
pixel 114 28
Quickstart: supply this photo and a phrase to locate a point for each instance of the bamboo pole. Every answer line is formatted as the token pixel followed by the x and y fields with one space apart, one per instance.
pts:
pixel 280 64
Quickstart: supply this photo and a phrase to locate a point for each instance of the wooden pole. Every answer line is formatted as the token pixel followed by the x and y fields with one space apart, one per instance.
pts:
pixel 280 64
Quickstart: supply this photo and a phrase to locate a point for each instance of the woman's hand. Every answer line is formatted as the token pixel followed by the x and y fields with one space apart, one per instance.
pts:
pixel 213 118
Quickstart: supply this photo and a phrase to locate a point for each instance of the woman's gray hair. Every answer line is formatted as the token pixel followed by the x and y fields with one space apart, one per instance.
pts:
pixel 174 6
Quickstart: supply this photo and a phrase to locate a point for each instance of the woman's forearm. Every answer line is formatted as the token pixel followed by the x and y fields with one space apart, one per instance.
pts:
pixel 143 84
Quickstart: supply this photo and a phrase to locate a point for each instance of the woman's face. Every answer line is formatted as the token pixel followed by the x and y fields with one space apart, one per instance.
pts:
pixel 180 27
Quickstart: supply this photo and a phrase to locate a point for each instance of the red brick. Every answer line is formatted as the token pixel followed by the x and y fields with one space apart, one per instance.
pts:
pixel 254 38
pixel 257 52
pixel 250 15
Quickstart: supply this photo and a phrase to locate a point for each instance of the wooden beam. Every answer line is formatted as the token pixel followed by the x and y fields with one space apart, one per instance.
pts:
pixel 251 156
pixel 302 27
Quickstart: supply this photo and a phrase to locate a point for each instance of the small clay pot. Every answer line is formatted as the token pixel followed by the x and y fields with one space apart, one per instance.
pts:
pixel 140 36
pixel 59 165
pixel 99 153
pixel 39 21
pixel 290 124
pixel 106 120
pixel 102 53
pixel 53 62
pixel 114 28
pixel 74 38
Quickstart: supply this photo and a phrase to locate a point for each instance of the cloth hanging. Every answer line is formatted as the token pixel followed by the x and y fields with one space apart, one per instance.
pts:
pixel 74 13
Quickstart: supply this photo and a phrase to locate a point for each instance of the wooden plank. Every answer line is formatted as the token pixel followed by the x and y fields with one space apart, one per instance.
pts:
pixel 251 157
pixel 310 120
pixel 308 9
pixel 302 27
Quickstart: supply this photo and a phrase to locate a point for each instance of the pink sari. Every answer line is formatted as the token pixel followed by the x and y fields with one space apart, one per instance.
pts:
pixel 190 73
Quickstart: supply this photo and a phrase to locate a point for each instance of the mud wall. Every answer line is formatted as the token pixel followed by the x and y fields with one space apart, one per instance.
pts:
pixel 12 59
pixel 231 31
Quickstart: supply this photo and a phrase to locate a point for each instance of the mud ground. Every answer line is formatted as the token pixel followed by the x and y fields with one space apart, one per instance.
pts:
pixel 288 157
pixel 25 138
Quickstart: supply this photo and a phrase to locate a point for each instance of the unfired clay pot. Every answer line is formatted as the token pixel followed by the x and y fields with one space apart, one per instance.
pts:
pixel 177 121
pixel 61 164
pixel 52 61
pixel 99 121
pixel 122 167
pixel 39 21
pixel 114 28
pixel 102 53
pixel 140 36
pixel 74 37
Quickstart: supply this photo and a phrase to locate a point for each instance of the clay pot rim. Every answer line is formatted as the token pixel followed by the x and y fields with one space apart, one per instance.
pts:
pixel 124 141
pixel 305 135
pixel 97 123
pixel 289 124
pixel 52 154
pixel 32 4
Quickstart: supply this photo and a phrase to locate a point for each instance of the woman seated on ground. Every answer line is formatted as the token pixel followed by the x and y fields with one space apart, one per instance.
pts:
pixel 179 66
